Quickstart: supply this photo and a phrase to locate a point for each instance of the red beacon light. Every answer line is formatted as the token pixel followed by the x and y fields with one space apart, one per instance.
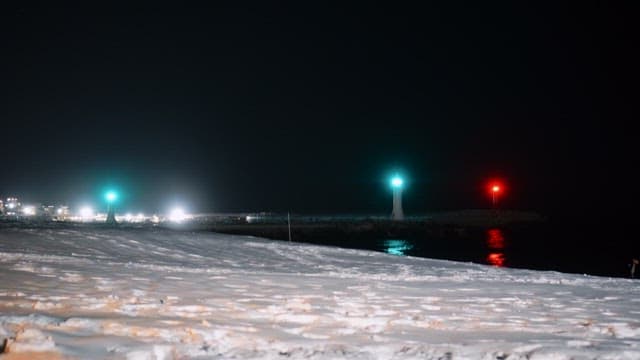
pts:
pixel 495 190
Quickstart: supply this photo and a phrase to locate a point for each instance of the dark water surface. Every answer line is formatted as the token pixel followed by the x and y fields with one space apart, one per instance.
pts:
pixel 582 249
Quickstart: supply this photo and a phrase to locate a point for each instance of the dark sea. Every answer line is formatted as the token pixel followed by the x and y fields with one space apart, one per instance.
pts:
pixel 582 247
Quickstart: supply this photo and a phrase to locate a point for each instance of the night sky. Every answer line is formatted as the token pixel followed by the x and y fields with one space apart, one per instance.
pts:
pixel 311 107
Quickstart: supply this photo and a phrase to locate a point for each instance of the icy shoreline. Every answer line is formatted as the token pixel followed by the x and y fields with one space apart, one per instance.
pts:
pixel 160 294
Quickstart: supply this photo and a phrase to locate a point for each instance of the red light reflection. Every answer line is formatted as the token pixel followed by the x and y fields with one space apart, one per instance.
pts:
pixel 495 241
pixel 496 259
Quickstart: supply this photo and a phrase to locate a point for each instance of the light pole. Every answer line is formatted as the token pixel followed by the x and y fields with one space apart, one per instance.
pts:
pixel 495 189
pixel 111 197
pixel 397 184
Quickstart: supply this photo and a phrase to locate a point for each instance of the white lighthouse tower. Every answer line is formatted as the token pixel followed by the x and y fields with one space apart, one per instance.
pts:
pixel 111 197
pixel 397 184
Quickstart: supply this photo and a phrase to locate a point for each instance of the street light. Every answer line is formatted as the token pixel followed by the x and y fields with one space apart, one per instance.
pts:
pixel 397 184
pixel 29 210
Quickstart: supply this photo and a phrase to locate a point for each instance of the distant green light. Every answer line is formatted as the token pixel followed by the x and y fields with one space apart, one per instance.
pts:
pixel 111 196
pixel 397 182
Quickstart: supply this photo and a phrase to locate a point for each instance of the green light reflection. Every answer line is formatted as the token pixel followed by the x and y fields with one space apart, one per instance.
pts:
pixel 397 247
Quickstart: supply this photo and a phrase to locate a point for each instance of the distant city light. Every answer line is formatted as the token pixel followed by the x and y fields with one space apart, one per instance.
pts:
pixel 13 204
pixel 128 217
pixel 62 213
pixel 29 210
pixel 86 212
pixel 177 215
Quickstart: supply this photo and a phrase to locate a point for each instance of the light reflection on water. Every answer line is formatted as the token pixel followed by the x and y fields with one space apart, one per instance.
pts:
pixel 397 247
pixel 495 243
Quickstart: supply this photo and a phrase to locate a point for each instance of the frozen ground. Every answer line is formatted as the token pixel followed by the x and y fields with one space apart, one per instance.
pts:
pixel 158 294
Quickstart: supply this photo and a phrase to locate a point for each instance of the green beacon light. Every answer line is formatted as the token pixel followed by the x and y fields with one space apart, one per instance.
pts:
pixel 396 182
pixel 111 196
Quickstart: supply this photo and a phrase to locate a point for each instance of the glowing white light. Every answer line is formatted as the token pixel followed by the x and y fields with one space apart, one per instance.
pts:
pixel 177 215
pixel 62 211
pixel 128 217
pixel 140 217
pixel 11 205
pixel 29 210
pixel 155 219
pixel 86 212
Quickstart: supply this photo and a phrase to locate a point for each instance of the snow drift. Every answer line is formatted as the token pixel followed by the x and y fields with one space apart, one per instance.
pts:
pixel 160 294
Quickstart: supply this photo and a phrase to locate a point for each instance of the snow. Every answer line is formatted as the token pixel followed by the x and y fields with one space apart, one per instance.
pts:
pixel 99 293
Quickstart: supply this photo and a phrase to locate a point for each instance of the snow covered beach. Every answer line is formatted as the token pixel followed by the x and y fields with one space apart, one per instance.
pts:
pixel 91 293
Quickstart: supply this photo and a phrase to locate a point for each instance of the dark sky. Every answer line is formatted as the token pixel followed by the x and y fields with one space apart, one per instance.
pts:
pixel 310 107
